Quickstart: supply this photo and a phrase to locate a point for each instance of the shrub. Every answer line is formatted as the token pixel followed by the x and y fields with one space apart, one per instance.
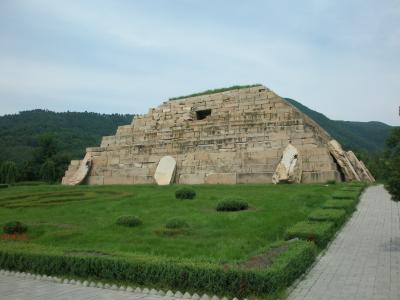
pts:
pixel 334 215
pixel 14 227
pixel 176 223
pixel 232 204
pixel 331 182
pixel 319 232
pixel 130 221
pixel 3 186
pixel 170 274
pixel 185 193
pixel 8 172
pixel 348 205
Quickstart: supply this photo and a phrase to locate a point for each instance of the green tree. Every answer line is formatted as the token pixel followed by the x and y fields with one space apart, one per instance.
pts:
pixel 47 147
pixel 61 161
pixel 8 172
pixel 375 163
pixel 28 171
pixel 48 171
pixel 392 155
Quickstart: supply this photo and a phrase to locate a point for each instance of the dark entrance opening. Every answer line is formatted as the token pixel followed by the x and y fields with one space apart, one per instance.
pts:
pixel 339 168
pixel 202 114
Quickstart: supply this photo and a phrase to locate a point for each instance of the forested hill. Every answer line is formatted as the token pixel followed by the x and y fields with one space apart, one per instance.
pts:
pixel 359 136
pixel 73 131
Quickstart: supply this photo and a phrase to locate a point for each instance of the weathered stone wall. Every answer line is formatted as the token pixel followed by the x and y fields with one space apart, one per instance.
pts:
pixel 241 141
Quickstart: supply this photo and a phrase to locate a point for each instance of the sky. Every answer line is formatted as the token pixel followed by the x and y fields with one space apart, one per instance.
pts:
pixel 341 58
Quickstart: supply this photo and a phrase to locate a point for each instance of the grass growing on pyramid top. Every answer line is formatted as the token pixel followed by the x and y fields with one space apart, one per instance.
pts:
pixel 214 91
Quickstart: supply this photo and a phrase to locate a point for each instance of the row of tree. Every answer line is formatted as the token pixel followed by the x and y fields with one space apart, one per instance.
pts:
pixel 48 164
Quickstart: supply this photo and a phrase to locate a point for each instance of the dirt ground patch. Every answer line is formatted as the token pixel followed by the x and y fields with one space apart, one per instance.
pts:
pixel 265 259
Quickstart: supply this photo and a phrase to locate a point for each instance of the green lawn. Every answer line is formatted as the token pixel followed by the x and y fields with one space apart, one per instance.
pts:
pixel 82 219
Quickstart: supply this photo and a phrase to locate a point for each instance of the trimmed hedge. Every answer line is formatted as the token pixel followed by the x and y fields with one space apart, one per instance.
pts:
pixel 14 227
pixel 350 188
pixel 319 232
pixel 348 205
pixel 130 221
pixel 185 193
pixel 337 216
pixel 232 204
pixel 30 183
pixel 345 195
pixel 199 277
pixel 3 186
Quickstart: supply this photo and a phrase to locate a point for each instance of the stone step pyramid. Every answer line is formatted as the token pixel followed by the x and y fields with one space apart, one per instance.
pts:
pixel 243 135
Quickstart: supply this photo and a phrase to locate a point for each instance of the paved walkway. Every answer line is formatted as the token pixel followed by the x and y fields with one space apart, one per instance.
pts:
pixel 364 260
pixel 15 288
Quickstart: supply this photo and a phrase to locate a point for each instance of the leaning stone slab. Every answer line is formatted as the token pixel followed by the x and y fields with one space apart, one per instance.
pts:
pixel 342 160
pixel 80 175
pixel 165 171
pixel 359 167
pixel 289 168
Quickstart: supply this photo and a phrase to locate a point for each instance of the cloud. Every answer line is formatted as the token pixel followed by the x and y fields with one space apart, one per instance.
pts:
pixel 339 58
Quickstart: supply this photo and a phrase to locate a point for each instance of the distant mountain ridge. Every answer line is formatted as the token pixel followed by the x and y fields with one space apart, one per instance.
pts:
pixel 359 136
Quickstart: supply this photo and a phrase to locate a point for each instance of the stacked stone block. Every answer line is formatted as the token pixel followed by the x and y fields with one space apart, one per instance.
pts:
pixel 240 141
